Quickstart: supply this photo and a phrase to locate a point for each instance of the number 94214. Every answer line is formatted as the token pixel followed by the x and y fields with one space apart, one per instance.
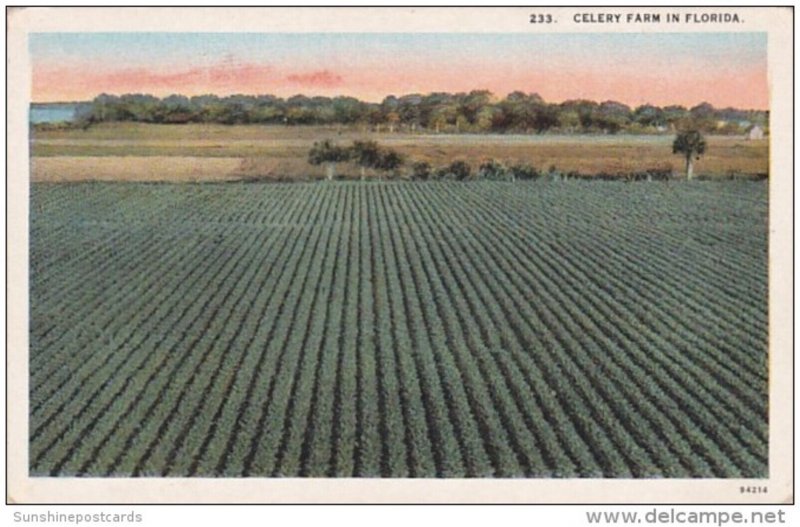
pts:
pixel 753 489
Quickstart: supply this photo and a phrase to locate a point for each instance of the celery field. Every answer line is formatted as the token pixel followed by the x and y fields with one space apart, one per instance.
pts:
pixel 575 329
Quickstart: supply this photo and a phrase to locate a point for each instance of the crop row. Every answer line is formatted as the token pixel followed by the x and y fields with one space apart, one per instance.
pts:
pixel 399 330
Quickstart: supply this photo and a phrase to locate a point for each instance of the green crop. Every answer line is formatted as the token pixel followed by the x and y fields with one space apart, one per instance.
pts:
pixel 399 329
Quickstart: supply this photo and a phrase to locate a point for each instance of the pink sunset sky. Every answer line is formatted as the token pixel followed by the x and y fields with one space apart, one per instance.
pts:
pixel 725 69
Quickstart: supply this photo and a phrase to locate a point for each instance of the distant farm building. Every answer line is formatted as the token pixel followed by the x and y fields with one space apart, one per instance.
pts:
pixel 756 132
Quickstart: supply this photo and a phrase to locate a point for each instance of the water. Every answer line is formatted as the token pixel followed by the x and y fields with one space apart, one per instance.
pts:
pixel 52 113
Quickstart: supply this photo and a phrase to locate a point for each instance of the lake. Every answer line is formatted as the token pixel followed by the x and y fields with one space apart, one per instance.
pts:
pixel 52 113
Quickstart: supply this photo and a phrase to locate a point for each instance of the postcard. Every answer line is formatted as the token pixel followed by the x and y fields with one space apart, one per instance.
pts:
pixel 400 255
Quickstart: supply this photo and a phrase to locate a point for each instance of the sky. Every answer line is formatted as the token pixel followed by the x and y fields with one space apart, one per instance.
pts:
pixel 724 69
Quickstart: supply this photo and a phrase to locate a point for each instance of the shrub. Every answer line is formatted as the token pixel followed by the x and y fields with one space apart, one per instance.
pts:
pixel 388 161
pixel 494 170
pixel 365 154
pixel 524 171
pixel 442 173
pixel 368 154
pixel 329 154
pixel 421 170
pixel 659 174
pixel 58 126
pixel 553 173
pixel 605 176
pixel 459 170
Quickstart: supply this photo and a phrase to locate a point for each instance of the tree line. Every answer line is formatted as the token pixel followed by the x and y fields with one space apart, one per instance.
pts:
pixel 473 112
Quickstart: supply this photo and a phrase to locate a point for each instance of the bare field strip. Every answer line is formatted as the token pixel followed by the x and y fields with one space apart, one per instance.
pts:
pixel 396 329
pixel 131 168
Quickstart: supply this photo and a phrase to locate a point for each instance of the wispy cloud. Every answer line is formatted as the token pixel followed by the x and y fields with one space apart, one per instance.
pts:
pixel 316 79
pixel 216 74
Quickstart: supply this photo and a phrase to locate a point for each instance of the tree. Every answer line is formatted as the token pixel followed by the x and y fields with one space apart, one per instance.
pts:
pixel 692 145
pixel 329 154
pixel 388 161
pixel 569 120
pixel 474 102
pixel 675 116
pixel 649 115
pixel 347 110
pixel 366 154
pixel 519 110
pixel 704 117
pixel 583 109
pixel 544 118
pixel 392 118
pixel 409 110
pixel 486 117
pixel 443 116
pixel 611 116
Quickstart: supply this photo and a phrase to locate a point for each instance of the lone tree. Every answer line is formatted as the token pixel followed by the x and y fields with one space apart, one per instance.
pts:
pixel 328 154
pixel 692 145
